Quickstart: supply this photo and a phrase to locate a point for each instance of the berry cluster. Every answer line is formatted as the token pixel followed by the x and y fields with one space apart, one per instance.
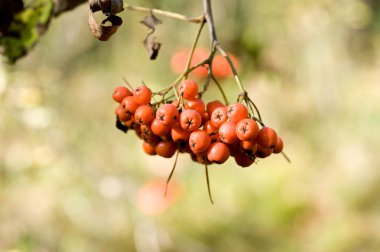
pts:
pixel 210 133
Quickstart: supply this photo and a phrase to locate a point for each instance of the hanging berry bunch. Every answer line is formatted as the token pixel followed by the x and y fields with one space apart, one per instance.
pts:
pixel 210 133
pixel 177 120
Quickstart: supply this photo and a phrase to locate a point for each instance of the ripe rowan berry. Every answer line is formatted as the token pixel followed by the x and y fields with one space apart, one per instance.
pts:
pixel 166 149
pixel 199 141
pixel 237 112
pixel 142 95
pixel 190 120
pixel 120 93
pixel 144 114
pixel 129 105
pixel 263 152
pixel 218 153
pixel 121 114
pixel 202 158
pixel 267 137
pixel 227 132
pixel 247 129
pixel 211 106
pixel 279 145
pixel 219 116
pixel 243 160
pixel 250 145
pixel 149 148
pixel 196 104
pixel 179 134
pixel 188 89
pixel 167 114
pixel 159 129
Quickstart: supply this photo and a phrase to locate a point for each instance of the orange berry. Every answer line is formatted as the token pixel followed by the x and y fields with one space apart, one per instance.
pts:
pixel 237 112
pixel 166 149
pixel 120 93
pixel 218 153
pixel 279 145
pixel 267 138
pixel 247 129
pixel 227 132
pixel 199 141
pixel 142 95
pixel 188 89
pixel 190 120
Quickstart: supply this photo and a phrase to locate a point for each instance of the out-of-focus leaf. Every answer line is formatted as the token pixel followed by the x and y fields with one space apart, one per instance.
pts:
pixel 152 47
pixel 151 21
pixel 25 29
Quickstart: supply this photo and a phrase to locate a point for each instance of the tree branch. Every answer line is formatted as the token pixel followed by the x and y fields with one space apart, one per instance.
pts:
pixel 61 6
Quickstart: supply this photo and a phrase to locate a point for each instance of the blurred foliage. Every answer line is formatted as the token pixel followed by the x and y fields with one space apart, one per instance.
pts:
pixel 70 181
pixel 25 29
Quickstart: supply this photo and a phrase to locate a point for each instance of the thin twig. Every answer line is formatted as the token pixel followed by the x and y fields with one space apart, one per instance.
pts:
pixel 286 157
pixel 194 46
pixel 170 14
pixel 220 89
pixel 171 173
pixel 208 185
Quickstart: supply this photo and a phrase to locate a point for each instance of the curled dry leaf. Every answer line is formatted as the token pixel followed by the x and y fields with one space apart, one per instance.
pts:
pixel 151 21
pixel 108 7
pixel 152 47
pixel 103 31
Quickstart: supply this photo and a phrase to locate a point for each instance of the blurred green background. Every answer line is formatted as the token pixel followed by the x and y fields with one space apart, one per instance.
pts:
pixel 70 181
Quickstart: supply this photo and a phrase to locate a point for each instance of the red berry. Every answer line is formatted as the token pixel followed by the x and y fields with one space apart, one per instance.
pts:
pixel 129 105
pixel 211 106
pixel 166 149
pixel 196 104
pixel 279 145
pixel 149 148
pixel 263 152
pixel 218 153
pixel 237 112
pixel 267 138
pixel 219 116
pixel 121 114
pixel 247 129
pixel 190 120
pixel 120 93
pixel 243 160
pixel 144 114
pixel 188 89
pixel 227 132
pixel 250 145
pixel 199 141
pixel 167 114
pixel 179 134
pixel 159 129
pixel 142 95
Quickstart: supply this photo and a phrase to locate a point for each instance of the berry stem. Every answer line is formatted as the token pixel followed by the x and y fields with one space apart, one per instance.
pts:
pixel 171 173
pixel 195 20
pixel 220 89
pixel 193 47
pixel 286 157
pixel 208 185
pixel 232 66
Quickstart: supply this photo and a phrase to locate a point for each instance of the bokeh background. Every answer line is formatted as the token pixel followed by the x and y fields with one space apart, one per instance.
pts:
pixel 70 181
